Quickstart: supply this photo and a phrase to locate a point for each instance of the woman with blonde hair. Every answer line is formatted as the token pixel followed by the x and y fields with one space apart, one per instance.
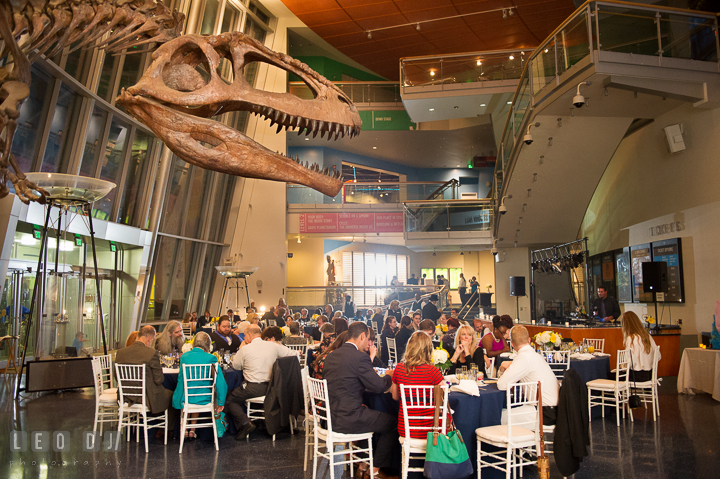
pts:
pixel 416 370
pixel 641 346
pixel 467 351
pixel 394 310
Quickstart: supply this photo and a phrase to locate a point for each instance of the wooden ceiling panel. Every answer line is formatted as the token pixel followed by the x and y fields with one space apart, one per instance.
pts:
pixel 343 23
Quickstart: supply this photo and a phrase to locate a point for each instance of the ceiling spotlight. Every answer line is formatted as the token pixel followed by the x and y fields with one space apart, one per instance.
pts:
pixel 374 147
pixel 509 103
pixel 505 13
pixel 528 139
pixel 431 109
pixel 482 104
pixel 299 239
pixel 479 62
pixel 546 50
pixel 512 57
pixel 434 254
pixel 369 34
pixel 511 12
pixel 432 73
pixel 417 27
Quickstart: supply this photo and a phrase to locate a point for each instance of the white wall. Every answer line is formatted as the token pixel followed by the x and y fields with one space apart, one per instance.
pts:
pixel 514 262
pixel 645 186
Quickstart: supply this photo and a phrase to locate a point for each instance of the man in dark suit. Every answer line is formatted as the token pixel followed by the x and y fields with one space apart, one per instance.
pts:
pixel 430 310
pixel 349 373
pixel 605 307
pixel 223 339
pixel 159 399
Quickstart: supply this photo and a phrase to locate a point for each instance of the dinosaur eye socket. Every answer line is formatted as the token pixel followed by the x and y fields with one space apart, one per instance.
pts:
pixel 188 69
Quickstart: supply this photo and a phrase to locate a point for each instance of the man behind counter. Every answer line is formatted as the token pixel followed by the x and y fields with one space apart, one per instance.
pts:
pixel 605 307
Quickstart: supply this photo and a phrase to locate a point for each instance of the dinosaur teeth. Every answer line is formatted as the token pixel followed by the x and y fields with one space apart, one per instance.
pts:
pixel 279 128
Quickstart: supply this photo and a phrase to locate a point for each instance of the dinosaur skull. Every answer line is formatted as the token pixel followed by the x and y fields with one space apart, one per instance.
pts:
pixel 182 89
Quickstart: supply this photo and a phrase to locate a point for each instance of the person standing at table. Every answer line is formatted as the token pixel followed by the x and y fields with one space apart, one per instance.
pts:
pixel 467 351
pixel 200 354
pixel 462 289
pixel 605 307
pixel 349 374
pixel 256 360
pixel 430 310
pixel 349 307
pixel 412 280
pixel 494 342
pixel 223 339
pixel 417 304
pixel 141 351
pixel 530 367
pixel 640 344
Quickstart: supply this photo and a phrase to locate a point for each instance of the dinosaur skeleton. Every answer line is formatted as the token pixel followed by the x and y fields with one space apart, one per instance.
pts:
pixel 177 94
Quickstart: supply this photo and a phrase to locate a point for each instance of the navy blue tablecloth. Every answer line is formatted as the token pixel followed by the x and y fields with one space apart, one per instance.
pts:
pixel 587 369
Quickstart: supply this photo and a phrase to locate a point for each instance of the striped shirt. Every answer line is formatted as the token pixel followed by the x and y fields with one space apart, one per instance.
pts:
pixel 423 375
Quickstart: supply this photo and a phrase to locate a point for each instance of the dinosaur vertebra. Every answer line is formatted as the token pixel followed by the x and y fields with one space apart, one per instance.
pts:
pixel 182 88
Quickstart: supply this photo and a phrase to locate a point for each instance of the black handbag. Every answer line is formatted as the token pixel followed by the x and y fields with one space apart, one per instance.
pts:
pixel 634 400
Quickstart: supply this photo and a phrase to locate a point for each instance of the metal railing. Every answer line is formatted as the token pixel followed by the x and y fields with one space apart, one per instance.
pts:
pixel 360 92
pixel 362 296
pixel 473 67
pixel 369 192
pixel 452 215
pixel 596 30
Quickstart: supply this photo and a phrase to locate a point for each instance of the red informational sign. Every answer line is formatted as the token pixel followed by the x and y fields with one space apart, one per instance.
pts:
pixel 351 223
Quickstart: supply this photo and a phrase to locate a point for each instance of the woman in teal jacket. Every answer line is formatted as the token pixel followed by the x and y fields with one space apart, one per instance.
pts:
pixel 200 355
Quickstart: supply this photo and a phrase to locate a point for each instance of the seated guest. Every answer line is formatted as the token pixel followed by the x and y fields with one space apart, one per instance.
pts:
pixel 530 367
pixel 77 344
pixel 273 334
pixel 467 351
pixel 448 339
pixel 304 316
pixel 640 344
pixel 132 337
pixel 295 337
pixel 337 314
pixel 372 350
pixel 316 369
pixel 316 334
pixel 328 336
pixel 416 369
pixel 141 351
pixel 203 320
pixel 430 310
pixel 378 319
pixel 341 325
pixel 480 329
pixel 495 342
pixel 403 336
pixel 349 374
pixel 295 317
pixel 232 316
pixel 394 309
pixel 200 354
pixel 427 326
pixel 187 319
pixel 416 320
pixel 280 314
pixel 329 312
pixel 388 331
pixel 256 360
pixel 171 339
pixel 270 314
pixel 223 338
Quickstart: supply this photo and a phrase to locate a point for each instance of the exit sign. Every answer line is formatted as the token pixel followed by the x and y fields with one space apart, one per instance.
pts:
pixel 37 234
pixel 78 241
pixel 113 248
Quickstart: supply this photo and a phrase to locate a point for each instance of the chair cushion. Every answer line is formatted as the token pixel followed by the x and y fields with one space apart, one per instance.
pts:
pixel 414 443
pixel 110 391
pixel 108 398
pixel 603 384
pixel 342 437
pixel 500 433
pixel 199 407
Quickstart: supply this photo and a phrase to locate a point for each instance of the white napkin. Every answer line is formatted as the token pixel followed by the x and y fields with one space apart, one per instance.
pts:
pixel 467 386
pixel 452 378
pixel 170 371
pixel 505 355
pixel 601 355
pixel 582 356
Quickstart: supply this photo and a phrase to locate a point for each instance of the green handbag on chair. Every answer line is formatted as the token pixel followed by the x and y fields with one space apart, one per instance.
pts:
pixel 446 456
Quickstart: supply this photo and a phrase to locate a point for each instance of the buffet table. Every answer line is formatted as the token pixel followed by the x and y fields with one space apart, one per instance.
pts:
pixel 669 342
pixel 699 372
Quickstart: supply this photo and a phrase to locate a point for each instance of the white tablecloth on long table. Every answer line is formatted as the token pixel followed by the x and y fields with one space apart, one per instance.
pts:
pixel 700 372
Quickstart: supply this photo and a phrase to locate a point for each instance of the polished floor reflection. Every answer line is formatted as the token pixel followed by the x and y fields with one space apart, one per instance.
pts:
pixel 684 442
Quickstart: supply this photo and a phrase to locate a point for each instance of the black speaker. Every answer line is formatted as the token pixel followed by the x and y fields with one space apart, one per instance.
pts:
pixel 654 277
pixel 517 285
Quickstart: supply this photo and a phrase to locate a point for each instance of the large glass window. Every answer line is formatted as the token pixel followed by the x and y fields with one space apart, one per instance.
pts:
pixel 107 77
pixel 31 122
pixel 177 189
pixel 164 255
pixel 112 166
pixel 93 142
pixel 209 17
pixel 141 148
pixel 64 122
pixel 199 190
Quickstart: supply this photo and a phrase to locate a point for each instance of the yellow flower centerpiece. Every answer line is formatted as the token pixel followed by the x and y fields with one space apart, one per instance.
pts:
pixel 441 359
pixel 548 339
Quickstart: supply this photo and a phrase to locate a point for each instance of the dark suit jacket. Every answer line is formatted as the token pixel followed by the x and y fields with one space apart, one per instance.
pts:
pixel 571 431
pixel 430 311
pixel 158 398
pixel 612 308
pixel 349 373
pixel 401 339
pixel 285 394
pixel 220 343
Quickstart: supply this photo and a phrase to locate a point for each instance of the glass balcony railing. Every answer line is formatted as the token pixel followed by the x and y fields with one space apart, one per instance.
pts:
pixel 480 67
pixel 606 26
pixel 359 92
pixel 369 193
pixel 459 215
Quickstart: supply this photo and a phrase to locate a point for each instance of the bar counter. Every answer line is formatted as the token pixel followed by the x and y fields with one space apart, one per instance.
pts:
pixel 669 342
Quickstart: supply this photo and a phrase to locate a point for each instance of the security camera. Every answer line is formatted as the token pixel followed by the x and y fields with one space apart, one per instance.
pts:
pixel 578 101
pixel 502 209
pixel 494 251
pixel 527 139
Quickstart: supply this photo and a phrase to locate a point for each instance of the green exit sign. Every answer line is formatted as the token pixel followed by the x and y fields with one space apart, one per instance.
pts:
pixel 113 248
pixel 37 234
pixel 78 241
